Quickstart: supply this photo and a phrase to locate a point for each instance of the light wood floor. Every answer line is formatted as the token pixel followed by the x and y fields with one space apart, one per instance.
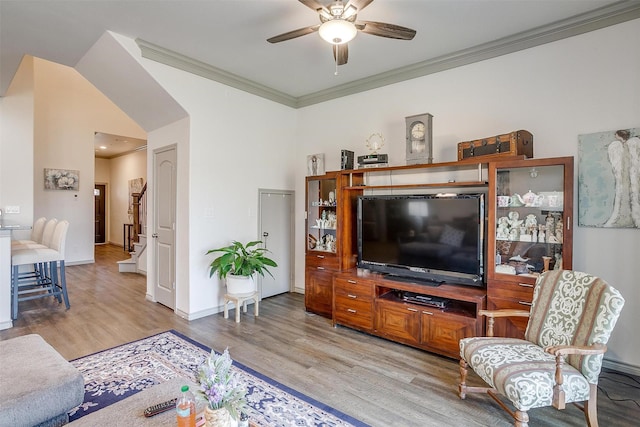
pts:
pixel 377 381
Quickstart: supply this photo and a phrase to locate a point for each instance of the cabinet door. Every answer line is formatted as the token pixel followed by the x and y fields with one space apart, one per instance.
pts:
pixel 400 322
pixel 530 218
pixel 444 332
pixel 322 219
pixel 318 293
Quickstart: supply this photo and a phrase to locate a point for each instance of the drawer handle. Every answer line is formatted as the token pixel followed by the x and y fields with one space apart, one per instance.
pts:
pixel 427 312
pixel 352 281
pixel 411 309
pixel 320 268
pixel 351 310
pixel 524 303
pixel 352 296
pixel 320 256
pixel 525 285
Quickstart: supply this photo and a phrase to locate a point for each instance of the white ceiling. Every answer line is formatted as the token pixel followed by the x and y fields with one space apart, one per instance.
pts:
pixel 230 35
pixel 108 146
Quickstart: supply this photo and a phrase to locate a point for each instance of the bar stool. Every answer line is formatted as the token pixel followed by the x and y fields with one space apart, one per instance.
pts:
pixel 240 300
pixel 36 234
pixel 46 280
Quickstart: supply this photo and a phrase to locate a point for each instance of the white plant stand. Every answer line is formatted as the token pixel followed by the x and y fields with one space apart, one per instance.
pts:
pixel 240 300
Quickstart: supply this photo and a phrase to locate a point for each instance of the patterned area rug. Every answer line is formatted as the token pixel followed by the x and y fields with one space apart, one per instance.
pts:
pixel 117 373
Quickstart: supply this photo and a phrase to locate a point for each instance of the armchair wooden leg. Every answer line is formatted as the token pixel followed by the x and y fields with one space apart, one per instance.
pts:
pixel 591 406
pixel 462 387
pixel 522 418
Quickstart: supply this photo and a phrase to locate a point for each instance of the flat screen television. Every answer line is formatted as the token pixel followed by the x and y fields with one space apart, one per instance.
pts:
pixel 427 239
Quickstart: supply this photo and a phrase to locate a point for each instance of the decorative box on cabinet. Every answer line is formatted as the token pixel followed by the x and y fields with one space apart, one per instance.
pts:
pixel 530 230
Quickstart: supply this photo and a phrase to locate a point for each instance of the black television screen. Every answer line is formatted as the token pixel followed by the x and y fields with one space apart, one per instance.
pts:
pixel 423 238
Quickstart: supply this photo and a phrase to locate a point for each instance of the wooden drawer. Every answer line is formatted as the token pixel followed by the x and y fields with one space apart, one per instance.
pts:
pixel 353 288
pixel 353 312
pixel 512 290
pixel 327 261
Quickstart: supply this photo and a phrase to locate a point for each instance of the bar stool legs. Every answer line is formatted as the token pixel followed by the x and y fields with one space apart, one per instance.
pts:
pixel 48 281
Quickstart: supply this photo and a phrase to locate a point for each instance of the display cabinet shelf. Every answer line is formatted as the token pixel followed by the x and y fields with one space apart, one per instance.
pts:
pixel 530 231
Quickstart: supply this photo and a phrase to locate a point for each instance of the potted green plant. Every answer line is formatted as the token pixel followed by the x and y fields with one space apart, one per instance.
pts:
pixel 238 264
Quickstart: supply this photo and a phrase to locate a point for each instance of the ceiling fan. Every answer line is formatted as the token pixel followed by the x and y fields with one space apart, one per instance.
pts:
pixel 338 26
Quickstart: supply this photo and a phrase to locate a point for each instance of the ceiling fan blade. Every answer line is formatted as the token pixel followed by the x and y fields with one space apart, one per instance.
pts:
pixel 315 5
pixel 359 4
pixel 383 29
pixel 340 53
pixel 293 34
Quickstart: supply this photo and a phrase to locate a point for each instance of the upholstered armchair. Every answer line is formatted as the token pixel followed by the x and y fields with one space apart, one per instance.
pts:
pixel 559 361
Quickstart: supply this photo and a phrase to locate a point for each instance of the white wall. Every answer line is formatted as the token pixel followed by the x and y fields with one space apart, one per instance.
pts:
pixel 238 143
pixel 102 170
pixel 67 112
pixel 16 149
pixel 558 91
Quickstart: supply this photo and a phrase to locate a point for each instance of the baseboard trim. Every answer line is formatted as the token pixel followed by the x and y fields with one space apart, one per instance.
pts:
pixel 621 367
pixel 200 314
pixel 6 325
pixel 80 262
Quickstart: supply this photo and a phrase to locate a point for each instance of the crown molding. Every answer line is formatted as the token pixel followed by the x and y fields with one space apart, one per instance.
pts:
pixel 613 14
pixel 193 66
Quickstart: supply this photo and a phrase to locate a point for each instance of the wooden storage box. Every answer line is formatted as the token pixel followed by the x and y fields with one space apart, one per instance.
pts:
pixel 516 143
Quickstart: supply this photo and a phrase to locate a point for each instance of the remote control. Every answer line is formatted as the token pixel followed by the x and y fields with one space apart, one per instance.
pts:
pixel 160 407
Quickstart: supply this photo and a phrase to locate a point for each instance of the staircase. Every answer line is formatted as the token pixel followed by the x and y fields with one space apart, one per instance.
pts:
pixel 138 261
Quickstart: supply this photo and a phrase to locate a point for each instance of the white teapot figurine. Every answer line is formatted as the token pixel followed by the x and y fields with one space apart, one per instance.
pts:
pixel 516 200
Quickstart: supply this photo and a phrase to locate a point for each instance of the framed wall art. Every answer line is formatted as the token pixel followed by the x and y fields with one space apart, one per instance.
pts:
pixel 61 179
pixel 609 179
pixel 315 164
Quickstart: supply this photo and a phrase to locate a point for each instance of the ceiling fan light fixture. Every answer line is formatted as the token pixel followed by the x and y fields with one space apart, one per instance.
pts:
pixel 337 31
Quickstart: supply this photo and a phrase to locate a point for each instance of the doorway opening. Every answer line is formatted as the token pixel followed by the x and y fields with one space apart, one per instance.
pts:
pixel 119 161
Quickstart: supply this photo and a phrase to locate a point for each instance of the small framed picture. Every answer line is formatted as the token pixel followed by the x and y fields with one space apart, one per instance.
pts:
pixel 315 164
pixel 61 179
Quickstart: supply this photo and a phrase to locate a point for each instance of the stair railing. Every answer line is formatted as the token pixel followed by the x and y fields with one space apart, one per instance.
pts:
pixel 140 213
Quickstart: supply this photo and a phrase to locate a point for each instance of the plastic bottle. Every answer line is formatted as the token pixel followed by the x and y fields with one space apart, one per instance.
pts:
pixel 186 408
pixel 244 420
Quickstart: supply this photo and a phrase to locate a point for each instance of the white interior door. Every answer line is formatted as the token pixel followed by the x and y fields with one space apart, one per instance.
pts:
pixel 164 214
pixel 276 231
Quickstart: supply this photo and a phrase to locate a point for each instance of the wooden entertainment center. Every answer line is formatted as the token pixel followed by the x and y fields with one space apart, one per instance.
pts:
pixel 373 303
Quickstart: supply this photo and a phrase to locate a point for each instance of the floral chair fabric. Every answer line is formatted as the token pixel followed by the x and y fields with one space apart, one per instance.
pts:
pixel 569 308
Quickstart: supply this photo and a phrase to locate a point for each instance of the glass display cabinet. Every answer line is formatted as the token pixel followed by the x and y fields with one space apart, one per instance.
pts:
pixel 530 231
pixel 322 243
pixel 322 218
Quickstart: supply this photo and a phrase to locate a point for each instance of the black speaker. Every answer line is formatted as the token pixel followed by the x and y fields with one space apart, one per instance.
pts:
pixel 346 159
